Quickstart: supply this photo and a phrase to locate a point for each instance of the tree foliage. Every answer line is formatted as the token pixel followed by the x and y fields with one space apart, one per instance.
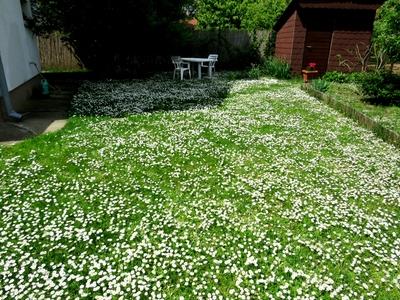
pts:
pixel 111 35
pixel 262 14
pixel 387 29
pixel 239 14
pixel 219 13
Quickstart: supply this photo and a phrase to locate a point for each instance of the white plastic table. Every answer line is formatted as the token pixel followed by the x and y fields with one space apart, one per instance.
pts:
pixel 199 61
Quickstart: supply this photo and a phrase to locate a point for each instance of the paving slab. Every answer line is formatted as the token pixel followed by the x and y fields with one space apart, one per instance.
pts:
pixel 33 125
pixel 12 132
pixel 40 115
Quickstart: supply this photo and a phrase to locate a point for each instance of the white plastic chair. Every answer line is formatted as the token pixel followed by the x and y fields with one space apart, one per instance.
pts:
pixel 210 64
pixel 180 66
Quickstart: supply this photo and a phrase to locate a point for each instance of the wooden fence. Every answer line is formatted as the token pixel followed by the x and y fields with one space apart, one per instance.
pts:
pixel 56 56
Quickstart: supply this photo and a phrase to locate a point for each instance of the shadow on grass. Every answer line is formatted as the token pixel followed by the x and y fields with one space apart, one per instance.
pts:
pixel 384 102
pixel 120 98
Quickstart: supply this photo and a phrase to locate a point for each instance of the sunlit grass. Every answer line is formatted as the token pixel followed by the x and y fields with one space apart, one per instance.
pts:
pixel 388 116
pixel 268 195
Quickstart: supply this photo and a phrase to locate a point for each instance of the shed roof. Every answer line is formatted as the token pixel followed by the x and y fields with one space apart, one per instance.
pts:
pixel 326 4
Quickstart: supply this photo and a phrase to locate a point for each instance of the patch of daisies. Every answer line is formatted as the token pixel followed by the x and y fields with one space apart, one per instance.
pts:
pixel 271 196
pixel 119 98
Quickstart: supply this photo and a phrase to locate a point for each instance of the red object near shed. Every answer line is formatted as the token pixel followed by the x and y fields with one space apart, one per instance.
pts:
pixel 325 32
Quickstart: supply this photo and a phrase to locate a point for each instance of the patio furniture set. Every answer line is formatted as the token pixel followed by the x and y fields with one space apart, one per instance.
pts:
pixel 183 64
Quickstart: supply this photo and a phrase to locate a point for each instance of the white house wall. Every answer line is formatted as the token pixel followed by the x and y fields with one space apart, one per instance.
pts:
pixel 18 46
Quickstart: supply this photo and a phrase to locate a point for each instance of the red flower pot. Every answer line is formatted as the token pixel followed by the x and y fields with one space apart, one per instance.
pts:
pixel 309 74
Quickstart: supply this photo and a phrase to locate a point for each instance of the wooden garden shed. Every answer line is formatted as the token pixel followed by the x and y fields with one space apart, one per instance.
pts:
pixel 325 32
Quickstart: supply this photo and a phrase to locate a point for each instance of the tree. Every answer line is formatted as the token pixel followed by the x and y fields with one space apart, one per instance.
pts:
pixel 387 30
pixel 110 35
pixel 262 14
pixel 219 13
pixel 239 14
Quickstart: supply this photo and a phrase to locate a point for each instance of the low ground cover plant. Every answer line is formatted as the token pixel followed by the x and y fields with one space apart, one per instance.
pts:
pixel 118 98
pixel 320 85
pixel 271 195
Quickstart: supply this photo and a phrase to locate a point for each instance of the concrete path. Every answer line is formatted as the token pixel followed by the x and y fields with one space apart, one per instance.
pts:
pixel 41 115
pixel 33 124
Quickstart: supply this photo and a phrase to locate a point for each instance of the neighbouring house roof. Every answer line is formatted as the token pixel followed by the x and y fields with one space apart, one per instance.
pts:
pixel 326 4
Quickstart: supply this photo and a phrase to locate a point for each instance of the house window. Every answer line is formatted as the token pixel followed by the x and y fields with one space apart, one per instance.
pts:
pixel 26 9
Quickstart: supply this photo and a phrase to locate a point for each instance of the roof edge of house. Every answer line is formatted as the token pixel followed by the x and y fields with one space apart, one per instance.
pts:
pixel 285 15
pixel 295 4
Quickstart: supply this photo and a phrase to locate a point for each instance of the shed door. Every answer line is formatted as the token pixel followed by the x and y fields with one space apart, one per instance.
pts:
pixel 316 49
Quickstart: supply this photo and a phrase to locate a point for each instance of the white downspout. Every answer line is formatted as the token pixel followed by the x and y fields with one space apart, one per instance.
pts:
pixel 11 113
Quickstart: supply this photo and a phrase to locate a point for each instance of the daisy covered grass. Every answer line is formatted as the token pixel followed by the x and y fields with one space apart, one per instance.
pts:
pixel 120 98
pixel 271 195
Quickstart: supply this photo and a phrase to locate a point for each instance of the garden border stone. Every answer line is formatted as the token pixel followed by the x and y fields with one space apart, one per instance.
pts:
pixel 382 132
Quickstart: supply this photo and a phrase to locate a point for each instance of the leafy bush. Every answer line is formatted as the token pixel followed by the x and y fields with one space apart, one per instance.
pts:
pixel 387 30
pixel 381 87
pixel 271 67
pixel 356 77
pixel 340 77
pixel 276 68
pixel 320 85
pixel 117 98
pixel 336 76
pixel 255 72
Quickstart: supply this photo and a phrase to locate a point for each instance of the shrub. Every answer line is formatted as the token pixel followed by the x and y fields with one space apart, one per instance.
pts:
pixel 380 87
pixel 255 72
pixel 336 76
pixel 356 77
pixel 320 85
pixel 276 68
pixel 340 77
pixel 271 67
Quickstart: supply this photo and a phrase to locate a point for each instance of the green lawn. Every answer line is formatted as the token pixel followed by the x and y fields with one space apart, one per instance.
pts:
pixel 268 195
pixel 388 116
